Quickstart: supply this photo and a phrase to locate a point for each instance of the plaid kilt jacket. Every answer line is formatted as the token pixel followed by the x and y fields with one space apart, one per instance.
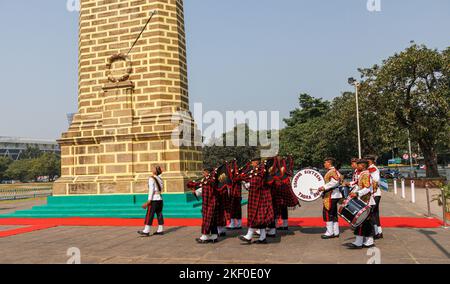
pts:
pixel 260 208
pixel 209 205
pixel 235 203
pixel 223 205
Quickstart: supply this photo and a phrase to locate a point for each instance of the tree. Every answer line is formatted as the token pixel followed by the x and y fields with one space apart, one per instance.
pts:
pixel 20 170
pixel 410 92
pixel 4 164
pixel 217 152
pixel 49 164
pixel 30 153
pixel 310 108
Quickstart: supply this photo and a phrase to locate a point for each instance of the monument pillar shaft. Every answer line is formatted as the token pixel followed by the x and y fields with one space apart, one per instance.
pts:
pixel 125 104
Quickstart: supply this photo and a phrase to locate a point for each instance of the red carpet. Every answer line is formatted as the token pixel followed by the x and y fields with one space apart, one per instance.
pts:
pixel 24 230
pixel 41 224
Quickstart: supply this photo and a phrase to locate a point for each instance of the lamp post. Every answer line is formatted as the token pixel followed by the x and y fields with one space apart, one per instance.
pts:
pixel 352 81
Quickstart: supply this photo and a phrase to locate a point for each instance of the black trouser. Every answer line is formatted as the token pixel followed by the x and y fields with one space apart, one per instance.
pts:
pixel 284 216
pixel 376 212
pixel 366 229
pixel 332 214
pixel 156 207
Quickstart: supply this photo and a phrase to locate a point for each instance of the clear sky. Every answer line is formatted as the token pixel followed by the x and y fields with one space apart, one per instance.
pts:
pixel 243 54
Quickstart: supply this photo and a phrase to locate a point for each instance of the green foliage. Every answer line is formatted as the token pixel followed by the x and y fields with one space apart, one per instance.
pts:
pixel 410 91
pixel 47 164
pixel 446 194
pixel 30 153
pixel 310 108
pixel 20 170
pixel 215 153
pixel 4 164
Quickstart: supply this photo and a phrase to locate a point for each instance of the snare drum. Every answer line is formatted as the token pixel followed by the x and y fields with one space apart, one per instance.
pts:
pixel 354 211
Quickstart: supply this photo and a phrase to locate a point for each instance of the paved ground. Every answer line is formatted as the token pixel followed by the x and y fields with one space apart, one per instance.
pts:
pixel 300 245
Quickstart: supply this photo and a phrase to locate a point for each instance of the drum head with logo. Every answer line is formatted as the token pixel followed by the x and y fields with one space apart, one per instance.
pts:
pixel 305 184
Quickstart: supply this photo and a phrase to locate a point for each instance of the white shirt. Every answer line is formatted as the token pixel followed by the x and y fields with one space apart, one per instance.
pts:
pixel 376 178
pixel 336 194
pixel 153 191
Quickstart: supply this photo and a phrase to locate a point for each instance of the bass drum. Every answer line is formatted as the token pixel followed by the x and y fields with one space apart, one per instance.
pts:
pixel 306 183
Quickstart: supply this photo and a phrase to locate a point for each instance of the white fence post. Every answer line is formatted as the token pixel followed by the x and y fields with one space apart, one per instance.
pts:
pixel 403 189
pixel 413 191
pixel 395 186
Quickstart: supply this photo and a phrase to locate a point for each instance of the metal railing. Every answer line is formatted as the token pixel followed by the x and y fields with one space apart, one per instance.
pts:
pixel 24 193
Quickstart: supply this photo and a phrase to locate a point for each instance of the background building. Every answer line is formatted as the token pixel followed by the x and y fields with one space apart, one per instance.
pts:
pixel 13 147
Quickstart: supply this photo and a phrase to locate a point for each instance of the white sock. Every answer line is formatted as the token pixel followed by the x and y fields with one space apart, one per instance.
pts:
pixel 204 238
pixel 272 231
pixel 359 241
pixel 368 241
pixel 285 223
pixel 213 237
pixel 258 231
pixel 220 230
pixel 375 229
pixel 160 229
pixel 250 233
pixel 232 225
pixel 239 223
pixel 336 228
pixel 380 230
pixel 262 236
pixel 147 229
pixel 329 231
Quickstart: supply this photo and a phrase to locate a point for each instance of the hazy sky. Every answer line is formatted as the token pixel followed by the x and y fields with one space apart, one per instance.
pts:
pixel 243 54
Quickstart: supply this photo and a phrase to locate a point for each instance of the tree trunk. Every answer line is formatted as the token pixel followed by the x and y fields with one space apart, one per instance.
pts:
pixel 430 155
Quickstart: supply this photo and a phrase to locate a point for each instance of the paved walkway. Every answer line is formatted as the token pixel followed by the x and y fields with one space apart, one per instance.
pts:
pixel 300 245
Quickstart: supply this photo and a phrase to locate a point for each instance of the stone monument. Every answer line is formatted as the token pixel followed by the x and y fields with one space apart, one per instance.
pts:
pixel 127 99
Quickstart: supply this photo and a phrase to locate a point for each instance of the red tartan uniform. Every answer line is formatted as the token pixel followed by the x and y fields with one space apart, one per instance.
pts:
pixel 289 198
pixel 209 206
pixel 260 209
pixel 235 205
pixel 223 201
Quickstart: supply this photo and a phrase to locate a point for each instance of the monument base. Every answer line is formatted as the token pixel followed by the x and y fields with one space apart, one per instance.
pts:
pixel 111 206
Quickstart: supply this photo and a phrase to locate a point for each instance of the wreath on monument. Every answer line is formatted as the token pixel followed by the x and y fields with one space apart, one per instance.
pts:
pixel 119 57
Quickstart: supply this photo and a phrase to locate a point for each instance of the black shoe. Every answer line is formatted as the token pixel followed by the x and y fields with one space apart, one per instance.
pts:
pixel 283 229
pixel 271 236
pixel 325 237
pixel 260 242
pixel 158 233
pixel 337 236
pixel 244 239
pixel 379 236
pixel 371 246
pixel 223 234
pixel 143 234
pixel 353 246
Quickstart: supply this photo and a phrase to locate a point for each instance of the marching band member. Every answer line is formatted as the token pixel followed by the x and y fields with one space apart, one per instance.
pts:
pixel 354 165
pixel 235 205
pixel 208 192
pixel 223 203
pixel 375 174
pixel 154 205
pixel 260 210
pixel 365 232
pixel 288 198
pixel 331 197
